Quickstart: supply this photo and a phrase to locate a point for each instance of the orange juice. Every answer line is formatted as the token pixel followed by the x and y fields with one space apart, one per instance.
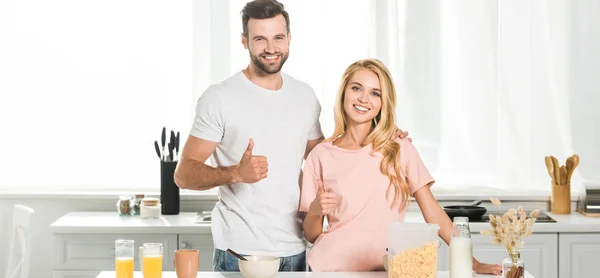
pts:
pixel 152 266
pixel 124 267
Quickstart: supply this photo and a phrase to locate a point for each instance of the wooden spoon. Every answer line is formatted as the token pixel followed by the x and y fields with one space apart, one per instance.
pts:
pixel 556 169
pixel 563 175
pixel 569 165
pixel 550 168
pixel 575 159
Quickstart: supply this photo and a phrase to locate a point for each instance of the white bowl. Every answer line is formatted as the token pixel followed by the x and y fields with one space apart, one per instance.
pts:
pixel 259 266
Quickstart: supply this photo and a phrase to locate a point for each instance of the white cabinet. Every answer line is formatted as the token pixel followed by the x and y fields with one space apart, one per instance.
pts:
pixel 579 255
pixel 76 274
pixel 83 255
pixel 202 242
pixel 540 254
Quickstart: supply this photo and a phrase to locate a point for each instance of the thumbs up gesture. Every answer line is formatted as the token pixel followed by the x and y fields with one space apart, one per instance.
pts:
pixel 324 203
pixel 252 168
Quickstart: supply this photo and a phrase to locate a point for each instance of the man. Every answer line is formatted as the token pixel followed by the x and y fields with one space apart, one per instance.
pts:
pixel 258 125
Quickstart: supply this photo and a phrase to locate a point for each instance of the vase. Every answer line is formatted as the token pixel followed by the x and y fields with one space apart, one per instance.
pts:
pixel 513 266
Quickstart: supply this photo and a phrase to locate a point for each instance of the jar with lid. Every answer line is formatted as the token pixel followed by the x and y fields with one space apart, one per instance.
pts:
pixel 137 203
pixel 150 208
pixel 125 205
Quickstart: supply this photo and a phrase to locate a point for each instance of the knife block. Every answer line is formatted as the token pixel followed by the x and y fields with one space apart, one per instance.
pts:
pixel 560 202
pixel 169 191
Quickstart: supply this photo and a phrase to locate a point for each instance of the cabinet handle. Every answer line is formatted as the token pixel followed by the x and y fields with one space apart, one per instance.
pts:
pixel 184 245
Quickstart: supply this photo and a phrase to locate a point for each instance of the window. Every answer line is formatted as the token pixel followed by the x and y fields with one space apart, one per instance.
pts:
pixel 85 89
pixel 486 88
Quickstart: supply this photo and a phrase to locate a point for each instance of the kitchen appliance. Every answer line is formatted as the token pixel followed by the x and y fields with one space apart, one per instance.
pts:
pixel 473 211
pixel 541 218
pixel 589 203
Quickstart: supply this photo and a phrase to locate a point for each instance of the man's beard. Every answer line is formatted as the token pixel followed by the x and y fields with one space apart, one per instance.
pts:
pixel 269 68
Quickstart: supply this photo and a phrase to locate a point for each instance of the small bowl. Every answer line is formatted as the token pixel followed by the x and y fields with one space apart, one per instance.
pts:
pixel 259 266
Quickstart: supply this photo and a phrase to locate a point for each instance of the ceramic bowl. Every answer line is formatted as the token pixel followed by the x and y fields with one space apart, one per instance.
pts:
pixel 259 266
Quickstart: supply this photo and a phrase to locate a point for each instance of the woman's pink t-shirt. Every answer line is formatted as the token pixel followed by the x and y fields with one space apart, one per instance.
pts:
pixel 357 235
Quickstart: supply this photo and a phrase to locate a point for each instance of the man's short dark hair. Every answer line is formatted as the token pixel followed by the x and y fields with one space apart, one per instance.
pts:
pixel 263 9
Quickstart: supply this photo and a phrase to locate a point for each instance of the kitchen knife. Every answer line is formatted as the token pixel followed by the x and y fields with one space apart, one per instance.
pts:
pixel 163 139
pixel 170 152
pixel 177 144
pixel 157 149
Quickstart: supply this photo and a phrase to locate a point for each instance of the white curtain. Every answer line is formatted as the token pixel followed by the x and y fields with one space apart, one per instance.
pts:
pixel 486 88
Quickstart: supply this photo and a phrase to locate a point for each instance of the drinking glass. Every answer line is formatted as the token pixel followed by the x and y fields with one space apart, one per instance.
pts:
pixel 124 258
pixel 153 255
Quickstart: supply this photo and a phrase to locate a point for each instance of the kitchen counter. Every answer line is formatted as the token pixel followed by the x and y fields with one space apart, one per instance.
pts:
pixel 171 274
pixel 111 222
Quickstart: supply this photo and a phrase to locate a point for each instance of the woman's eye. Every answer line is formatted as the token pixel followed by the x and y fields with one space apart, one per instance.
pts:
pixel 355 88
pixel 376 94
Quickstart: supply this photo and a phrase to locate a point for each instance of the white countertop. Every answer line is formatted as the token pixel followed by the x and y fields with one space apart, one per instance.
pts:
pixel 111 222
pixel 379 274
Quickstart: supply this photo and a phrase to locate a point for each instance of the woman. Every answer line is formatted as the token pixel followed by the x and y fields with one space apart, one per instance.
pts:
pixel 352 178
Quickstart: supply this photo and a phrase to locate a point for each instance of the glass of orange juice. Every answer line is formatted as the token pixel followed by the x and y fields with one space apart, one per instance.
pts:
pixel 152 261
pixel 124 258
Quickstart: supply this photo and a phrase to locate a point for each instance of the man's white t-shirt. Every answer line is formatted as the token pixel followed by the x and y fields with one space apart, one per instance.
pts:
pixel 259 218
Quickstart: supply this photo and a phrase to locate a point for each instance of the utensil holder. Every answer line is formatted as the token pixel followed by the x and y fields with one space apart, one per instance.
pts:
pixel 169 191
pixel 560 201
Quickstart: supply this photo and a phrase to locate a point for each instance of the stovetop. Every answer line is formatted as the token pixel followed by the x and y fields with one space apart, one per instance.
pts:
pixel 541 218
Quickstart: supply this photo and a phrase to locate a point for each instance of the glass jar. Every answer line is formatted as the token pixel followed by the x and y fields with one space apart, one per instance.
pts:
pixel 136 203
pixel 513 266
pixel 125 205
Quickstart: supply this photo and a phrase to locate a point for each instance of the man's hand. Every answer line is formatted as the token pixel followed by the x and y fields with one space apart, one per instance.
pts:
pixel 325 202
pixel 401 134
pixel 252 168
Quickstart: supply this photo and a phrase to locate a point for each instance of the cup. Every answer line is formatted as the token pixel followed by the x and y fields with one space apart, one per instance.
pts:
pixel 124 254
pixel 151 257
pixel 186 263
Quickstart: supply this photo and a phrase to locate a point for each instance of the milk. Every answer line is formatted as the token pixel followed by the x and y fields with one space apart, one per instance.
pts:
pixel 461 257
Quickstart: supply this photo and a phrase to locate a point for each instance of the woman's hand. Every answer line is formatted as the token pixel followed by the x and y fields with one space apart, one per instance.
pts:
pixel 324 203
pixel 481 268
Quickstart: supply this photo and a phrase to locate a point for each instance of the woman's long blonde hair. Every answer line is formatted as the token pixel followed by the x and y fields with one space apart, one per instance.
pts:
pixel 384 126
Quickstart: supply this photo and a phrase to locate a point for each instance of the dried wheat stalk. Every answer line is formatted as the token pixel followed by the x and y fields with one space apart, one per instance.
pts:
pixel 511 228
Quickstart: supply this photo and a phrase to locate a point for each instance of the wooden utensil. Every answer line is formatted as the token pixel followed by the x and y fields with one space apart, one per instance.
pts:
pixel 563 175
pixel 575 163
pixel 556 166
pixel 550 168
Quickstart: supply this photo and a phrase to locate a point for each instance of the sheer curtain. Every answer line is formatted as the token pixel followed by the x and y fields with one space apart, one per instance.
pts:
pixel 486 88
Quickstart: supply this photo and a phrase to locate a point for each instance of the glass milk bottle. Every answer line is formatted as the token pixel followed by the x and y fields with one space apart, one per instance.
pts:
pixel 461 249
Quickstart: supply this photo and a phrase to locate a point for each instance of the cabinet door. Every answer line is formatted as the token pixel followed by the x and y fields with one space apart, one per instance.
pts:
pixel 579 255
pixel 540 253
pixel 76 274
pixel 202 242
pixel 97 251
